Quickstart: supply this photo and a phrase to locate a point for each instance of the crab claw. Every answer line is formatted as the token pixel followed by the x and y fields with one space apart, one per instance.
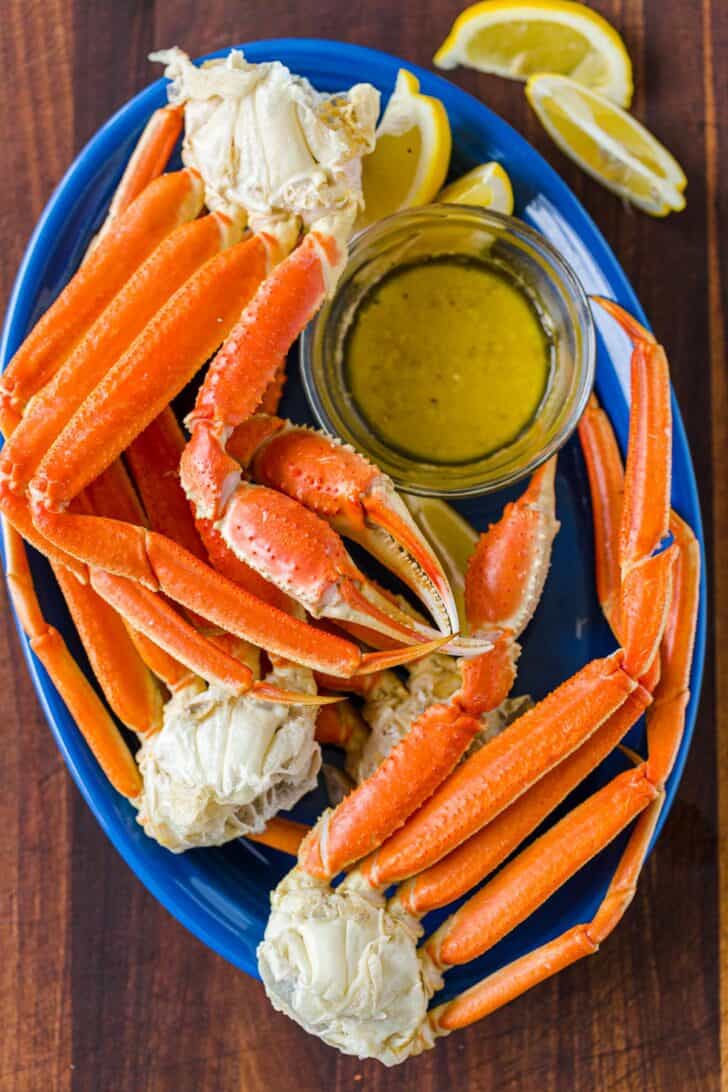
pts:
pixel 302 555
pixel 353 496
pixel 508 569
pixel 503 584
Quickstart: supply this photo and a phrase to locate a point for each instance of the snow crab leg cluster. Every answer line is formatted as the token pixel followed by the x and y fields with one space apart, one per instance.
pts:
pixel 160 291
pixel 345 961
pixel 213 593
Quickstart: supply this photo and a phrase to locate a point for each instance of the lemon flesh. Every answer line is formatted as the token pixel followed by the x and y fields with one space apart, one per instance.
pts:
pixel 412 153
pixel 608 144
pixel 487 186
pixel 387 175
pixel 517 39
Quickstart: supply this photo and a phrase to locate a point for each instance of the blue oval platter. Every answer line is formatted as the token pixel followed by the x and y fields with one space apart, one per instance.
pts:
pixel 222 895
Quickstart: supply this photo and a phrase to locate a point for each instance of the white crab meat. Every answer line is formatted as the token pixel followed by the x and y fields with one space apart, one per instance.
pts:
pixel 346 969
pixel 267 144
pixel 393 706
pixel 223 764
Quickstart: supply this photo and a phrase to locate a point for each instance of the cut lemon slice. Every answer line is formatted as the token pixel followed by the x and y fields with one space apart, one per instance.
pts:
pixel 487 186
pixel 609 144
pixel 516 38
pixel 412 154
pixel 452 538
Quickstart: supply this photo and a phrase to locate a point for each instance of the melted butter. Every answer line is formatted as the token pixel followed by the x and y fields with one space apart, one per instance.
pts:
pixel 447 360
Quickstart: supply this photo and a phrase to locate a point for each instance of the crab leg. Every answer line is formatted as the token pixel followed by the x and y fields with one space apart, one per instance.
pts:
pixel 354 496
pixel 509 982
pixel 646 508
pixel 503 585
pixel 643 512
pixel 669 674
pixel 153 458
pixel 541 869
pixel 165 667
pixel 227 562
pixel 151 617
pixel 256 522
pixel 471 862
pixel 645 598
pixel 130 690
pixel 666 716
pixel 384 802
pixel 492 778
pixel 182 329
pixel 112 494
pixel 508 569
pixel 175 343
pixel 86 708
pixel 148 160
pixel 159 624
pixel 165 204
pixel 477 790
pixel 147 612
pixel 240 374
pixel 157 564
pixel 606 486
pixel 472 929
pixel 259 523
pixel 172 263
pixel 283 834
pixel 340 725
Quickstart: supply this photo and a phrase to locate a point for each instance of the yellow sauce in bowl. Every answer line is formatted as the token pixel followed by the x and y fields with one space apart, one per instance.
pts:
pixel 447 360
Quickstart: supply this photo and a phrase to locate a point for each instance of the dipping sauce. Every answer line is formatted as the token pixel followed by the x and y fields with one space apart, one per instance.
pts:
pixel 447 359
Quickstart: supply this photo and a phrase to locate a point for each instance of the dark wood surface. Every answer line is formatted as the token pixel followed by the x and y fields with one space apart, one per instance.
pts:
pixel 100 989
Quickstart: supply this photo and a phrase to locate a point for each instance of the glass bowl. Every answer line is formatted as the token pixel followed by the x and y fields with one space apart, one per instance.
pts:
pixel 464 231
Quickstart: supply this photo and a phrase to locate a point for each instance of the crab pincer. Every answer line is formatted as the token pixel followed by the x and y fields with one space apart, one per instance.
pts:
pixel 359 501
pixel 330 488
pixel 489 803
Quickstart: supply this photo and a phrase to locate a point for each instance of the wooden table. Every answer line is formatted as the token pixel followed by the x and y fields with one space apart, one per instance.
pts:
pixel 100 989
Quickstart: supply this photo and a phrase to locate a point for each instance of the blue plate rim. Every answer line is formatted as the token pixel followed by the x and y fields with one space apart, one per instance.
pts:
pixel 132 115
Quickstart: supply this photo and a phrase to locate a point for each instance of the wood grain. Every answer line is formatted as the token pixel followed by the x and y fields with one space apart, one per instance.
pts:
pixel 99 988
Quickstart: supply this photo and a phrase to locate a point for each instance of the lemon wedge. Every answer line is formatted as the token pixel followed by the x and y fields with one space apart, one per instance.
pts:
pixel 412 153
pixel 452 538
pixel 487 186
pixel 609 144
pixel 515 38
